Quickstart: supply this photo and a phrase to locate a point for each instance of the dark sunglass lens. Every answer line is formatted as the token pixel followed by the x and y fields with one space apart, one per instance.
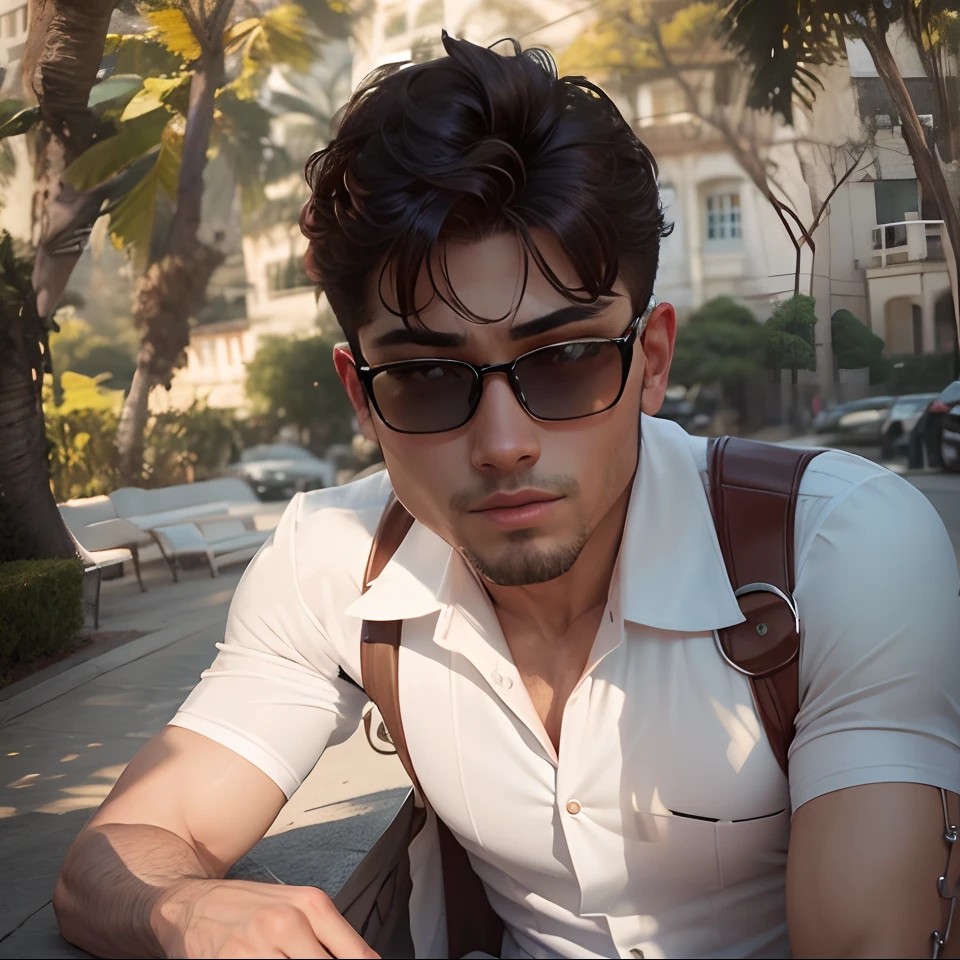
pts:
pixel 571 380
pixel 427 397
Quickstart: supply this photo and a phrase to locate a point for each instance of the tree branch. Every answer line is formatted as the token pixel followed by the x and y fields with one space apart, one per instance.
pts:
pixel 836 187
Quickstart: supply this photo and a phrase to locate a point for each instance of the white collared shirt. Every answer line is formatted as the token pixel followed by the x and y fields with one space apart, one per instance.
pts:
pixel 662 828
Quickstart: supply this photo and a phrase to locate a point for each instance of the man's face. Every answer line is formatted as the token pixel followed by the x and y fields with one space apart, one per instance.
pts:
pixel 563 477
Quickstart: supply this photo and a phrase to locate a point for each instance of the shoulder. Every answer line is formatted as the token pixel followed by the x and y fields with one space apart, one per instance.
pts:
pixel 329 531
pixel 862 501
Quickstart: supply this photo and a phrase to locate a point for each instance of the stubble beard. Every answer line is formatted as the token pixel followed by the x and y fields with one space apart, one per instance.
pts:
pixel 523 564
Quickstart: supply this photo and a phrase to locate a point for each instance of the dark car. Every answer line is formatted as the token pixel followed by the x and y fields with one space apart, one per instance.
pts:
pixel 277 471
pixel 942 426
pixel 859 421
pixel 692 415
pixel 903 417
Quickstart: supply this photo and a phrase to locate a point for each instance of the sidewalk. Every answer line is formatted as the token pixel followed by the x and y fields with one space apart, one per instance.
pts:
pixel 81 725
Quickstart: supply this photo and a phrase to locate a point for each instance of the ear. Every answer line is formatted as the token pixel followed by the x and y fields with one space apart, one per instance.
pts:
pixel 657 345
pixel 347 372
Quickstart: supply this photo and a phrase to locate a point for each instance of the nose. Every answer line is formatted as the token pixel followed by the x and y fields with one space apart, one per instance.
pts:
pixel 504 436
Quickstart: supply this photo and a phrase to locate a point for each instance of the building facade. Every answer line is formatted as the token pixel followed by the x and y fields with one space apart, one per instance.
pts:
pixel 879 246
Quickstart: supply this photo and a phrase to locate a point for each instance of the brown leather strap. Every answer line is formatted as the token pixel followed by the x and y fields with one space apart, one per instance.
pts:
pixel 753 493
pixel 471 921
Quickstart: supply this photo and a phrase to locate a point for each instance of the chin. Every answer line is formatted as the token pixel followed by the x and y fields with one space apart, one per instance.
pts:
pixel 523 561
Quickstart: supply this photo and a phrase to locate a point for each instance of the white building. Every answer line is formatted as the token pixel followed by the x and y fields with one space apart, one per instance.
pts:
pixel 728 239
pixel 13 31
pixel 880 246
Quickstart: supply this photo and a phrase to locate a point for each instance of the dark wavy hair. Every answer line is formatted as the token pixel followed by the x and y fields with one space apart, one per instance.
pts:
pixel 467 146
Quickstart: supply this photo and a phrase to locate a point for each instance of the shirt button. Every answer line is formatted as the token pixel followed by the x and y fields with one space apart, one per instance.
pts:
pixel 573 807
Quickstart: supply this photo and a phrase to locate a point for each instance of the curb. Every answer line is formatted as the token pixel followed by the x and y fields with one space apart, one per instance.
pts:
pixel 82 673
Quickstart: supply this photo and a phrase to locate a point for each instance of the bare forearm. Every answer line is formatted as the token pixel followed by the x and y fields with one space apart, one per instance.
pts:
pixel 111 882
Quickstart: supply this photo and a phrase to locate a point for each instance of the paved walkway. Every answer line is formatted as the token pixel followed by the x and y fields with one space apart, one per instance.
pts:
pixel 59 760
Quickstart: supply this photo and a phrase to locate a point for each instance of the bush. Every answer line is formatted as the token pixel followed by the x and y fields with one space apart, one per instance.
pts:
pixel 179 446
pixel 791 335
pixel 721 343
pixel 854 345
pixel 920 373
pixel 41 610
pixel 296 382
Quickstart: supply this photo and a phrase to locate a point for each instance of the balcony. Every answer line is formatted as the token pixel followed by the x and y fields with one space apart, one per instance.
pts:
pixel 906 241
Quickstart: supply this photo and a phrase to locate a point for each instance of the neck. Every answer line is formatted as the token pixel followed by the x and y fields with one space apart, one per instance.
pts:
pixel 551 608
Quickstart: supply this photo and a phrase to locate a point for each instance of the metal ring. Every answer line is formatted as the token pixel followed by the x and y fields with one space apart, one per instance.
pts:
pixel 757 588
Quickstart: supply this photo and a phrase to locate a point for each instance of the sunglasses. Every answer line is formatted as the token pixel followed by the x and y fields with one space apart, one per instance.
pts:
pixel 562 381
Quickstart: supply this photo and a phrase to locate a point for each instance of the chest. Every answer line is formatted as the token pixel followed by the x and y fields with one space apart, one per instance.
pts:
pixel 663 788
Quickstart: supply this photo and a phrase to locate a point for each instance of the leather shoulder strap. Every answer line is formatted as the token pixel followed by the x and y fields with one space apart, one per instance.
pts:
pixel 380 639
pixel 753 494
pixel 472 925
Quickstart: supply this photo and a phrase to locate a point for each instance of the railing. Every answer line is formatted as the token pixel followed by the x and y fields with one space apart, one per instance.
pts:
pixel 906 241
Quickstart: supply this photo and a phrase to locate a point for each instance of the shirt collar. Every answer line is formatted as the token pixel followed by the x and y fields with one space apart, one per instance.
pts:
pixel 671 571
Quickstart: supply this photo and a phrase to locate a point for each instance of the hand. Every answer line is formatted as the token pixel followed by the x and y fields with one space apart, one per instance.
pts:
pixel 237 918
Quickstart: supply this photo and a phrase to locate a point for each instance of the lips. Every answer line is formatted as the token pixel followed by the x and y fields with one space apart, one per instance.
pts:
pixel 509 501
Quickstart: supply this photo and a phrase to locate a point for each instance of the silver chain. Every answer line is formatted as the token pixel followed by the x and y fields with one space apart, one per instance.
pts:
pixel 950 836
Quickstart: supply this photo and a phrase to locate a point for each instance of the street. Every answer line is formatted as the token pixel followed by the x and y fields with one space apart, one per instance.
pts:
pixel 943 491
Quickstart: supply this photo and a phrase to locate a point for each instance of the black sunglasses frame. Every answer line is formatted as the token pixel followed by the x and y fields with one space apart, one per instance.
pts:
pixel 624 344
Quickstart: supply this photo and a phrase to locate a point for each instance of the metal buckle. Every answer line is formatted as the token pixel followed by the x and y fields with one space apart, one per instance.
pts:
pixel 757 588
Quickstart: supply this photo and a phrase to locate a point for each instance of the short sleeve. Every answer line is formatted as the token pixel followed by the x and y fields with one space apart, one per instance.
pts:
pixel 880 662
pixel 273 694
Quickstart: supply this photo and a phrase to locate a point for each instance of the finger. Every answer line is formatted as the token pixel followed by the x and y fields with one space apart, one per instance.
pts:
pixel 301 943
pixel 337 936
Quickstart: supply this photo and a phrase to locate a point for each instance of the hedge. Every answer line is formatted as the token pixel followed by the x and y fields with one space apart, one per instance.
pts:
pixel 41 609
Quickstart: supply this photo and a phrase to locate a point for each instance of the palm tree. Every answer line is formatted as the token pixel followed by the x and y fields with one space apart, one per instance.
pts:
pixel 215 62
pixel 62 56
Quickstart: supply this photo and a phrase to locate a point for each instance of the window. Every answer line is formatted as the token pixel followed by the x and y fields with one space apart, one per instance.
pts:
pixel 895 199
pixel 286 275
pixel 917 318
pixel 723 217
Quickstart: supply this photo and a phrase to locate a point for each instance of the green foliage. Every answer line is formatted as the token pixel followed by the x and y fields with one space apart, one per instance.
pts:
pixel 76 348
pixel 780 42
pixel 295 382
pixel 791 332
pixel 241 132
pixel 15 118
pixel 21 328
pixel 920 373
pixel 854 345
pixel 721 343
pixel 41 610
pixel 179 446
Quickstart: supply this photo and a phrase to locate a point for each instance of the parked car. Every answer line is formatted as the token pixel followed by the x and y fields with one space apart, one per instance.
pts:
pixel 692 415
pixel 277 471
pixel 942 426
pixel 903 417
pixel 859 421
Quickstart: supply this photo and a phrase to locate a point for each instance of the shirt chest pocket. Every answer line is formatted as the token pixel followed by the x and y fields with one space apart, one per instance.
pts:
pixel 669 860
pixel 751 848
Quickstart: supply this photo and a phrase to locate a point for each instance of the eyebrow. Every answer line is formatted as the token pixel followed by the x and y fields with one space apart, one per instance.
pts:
pixel 423 337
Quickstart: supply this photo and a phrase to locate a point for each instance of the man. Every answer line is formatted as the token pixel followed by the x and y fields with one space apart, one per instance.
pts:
pixel 487 235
